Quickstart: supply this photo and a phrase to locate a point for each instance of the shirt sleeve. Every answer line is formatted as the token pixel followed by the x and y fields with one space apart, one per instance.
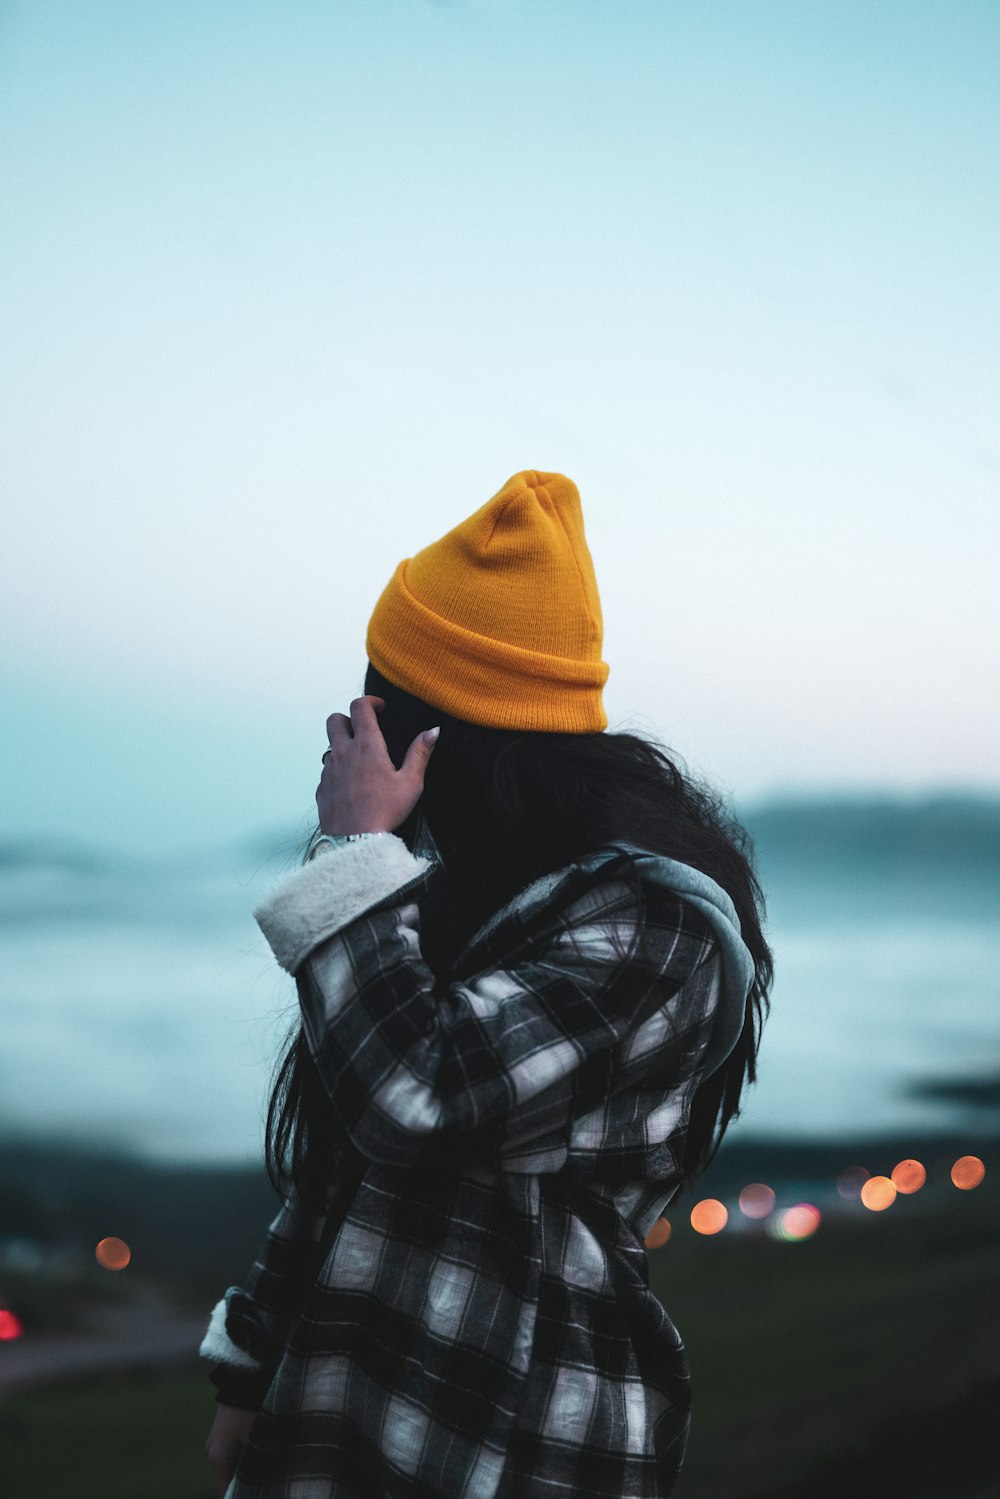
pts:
pixel 250 1326
pixel 511 1055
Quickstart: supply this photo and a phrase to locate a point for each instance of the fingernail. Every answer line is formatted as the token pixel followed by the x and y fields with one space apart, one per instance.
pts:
pixel 430 735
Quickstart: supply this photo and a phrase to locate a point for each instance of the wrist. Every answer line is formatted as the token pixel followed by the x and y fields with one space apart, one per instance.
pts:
pixel 327 841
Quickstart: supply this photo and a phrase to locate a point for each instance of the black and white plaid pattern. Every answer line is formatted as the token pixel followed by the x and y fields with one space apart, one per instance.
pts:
pixel 481 1323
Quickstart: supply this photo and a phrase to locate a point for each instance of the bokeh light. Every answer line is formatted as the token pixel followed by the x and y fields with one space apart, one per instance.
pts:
pixel 800 1221
pixel 757 1200
pixel 709 1216
pixel 908 1176
pixel 113 1254
pixel 795 1223
pixel 658 1234
pixel 878 1193
pixel 967 1172
pixel 850 1182
pixel 10 1326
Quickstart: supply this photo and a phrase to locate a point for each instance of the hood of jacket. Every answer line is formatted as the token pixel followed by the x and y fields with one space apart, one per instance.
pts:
pixel 531 912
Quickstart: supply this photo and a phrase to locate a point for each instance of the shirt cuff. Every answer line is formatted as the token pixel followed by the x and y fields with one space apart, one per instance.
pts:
pixel 218 1345
pixel 311 903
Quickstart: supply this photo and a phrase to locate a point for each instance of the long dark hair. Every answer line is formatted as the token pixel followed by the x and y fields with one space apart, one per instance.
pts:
pixel 503 808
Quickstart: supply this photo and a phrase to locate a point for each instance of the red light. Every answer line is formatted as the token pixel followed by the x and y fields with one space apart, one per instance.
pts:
pixel 10 1326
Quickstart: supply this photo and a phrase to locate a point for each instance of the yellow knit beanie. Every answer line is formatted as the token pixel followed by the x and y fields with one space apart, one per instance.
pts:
pixel 499 622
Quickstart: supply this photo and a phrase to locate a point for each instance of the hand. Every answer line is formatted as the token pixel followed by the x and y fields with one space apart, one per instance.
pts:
pixel 226 1441
pixel 360 790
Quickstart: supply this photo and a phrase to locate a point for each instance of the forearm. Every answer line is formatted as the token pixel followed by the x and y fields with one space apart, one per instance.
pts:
pixel 250 1325
pixel 241 1388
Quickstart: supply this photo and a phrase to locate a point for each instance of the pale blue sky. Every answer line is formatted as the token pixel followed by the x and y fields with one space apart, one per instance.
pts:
pixel 288 289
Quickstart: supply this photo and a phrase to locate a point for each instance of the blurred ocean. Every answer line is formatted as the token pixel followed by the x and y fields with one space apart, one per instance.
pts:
pixel 140 1006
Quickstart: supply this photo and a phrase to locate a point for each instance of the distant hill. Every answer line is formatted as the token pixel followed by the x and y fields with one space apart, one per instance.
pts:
pixel 941 836
pixel 943 830
pixel 868 859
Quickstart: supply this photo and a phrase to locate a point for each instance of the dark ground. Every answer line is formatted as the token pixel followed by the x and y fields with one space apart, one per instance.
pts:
pixel 863 1361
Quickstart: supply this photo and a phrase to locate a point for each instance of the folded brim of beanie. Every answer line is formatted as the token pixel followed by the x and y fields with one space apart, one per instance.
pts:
pixel 477 679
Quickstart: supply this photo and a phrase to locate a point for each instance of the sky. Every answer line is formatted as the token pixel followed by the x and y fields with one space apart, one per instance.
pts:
pixel 287 290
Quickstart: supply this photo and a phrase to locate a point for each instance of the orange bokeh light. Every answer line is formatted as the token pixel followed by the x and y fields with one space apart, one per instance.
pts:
pixel 878 1193
pixel 908 1176
pixel 757 1200
pixel 658 1234
pixel 113 1254
pixel 10 1326
pixel 709 1216
pixel 850 1182
pixel 800 1222
pixel 967 1172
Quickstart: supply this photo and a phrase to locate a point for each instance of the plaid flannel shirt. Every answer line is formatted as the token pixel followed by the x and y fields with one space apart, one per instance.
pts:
pixel 470 1316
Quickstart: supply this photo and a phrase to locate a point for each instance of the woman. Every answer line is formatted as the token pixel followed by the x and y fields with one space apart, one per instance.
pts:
pixel 531 977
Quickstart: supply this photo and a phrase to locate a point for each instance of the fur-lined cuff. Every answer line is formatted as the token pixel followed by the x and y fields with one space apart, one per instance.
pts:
pixel 310 904
pixel 218 1346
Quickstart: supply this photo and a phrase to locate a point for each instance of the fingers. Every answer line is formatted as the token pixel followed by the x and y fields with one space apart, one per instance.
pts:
pixel 363 717
pixel 338 726
pixel 229 1435
pixel 361 724
pixel 418 755
pixel 222 1461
